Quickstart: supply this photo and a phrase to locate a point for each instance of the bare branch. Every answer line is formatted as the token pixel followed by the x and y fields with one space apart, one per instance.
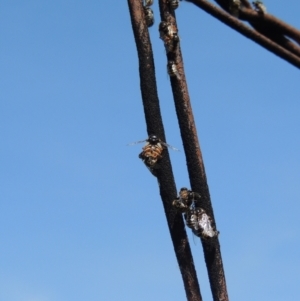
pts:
pixel 194 159
pixel 164 173
pixel 272 22
pixel 255 36
pixel 266 24
pixel 272 28
pixel 247 13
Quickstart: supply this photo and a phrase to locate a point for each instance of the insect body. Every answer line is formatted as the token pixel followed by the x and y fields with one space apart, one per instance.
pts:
pixel 234 7
pixel 174 4
pixel 148 2
pixel 149 16
pixel 152 152
pixel 205 228
pixel 259 7
pixel 172 69
pixel 186 194
pixel 186 199
pixel 180 204
pixel 200 223
pixel 191 218
pixel 168 33
pixel 195 217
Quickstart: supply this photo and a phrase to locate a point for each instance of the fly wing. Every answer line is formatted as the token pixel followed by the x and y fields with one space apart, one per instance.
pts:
pixel 133 143
pixel 170 146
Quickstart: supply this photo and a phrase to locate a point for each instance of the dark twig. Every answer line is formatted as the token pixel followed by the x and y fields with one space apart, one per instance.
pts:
pixel 194 159
pixel 240 27
pixel 164 173
pixel 247 13
pixel 266 24
pixel 271 22
pixel 272 28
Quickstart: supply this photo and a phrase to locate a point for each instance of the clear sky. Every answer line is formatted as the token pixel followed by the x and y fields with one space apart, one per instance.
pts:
pixel 80 215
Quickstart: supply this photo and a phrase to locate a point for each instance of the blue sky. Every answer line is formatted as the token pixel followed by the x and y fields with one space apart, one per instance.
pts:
pixel 80 216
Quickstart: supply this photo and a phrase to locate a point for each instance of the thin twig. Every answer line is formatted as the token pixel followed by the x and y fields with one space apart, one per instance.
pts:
pixel 247 13
pixel 270 21
pixel 194 160
pixel 164 173
pixel 267 25
pixel 272 28
pixel 253 35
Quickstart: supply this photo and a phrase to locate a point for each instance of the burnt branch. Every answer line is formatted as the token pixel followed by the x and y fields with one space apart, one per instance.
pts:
pixel 249 14
pixel 164 173
pixel 272 28
pixel 195 165
pixel 270 21
pixel 245 30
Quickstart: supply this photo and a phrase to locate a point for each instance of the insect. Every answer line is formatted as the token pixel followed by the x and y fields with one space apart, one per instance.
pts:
pixel 152 152
pixel 200 223
pixel 184 193
pixel 174 4
pixel 260 7
pixel 149 16
pixel 195 217
pixel 191 218
pixel 185 200
pixel 234 7
pixel 148 2
pixel 168 33
pixel 172 69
